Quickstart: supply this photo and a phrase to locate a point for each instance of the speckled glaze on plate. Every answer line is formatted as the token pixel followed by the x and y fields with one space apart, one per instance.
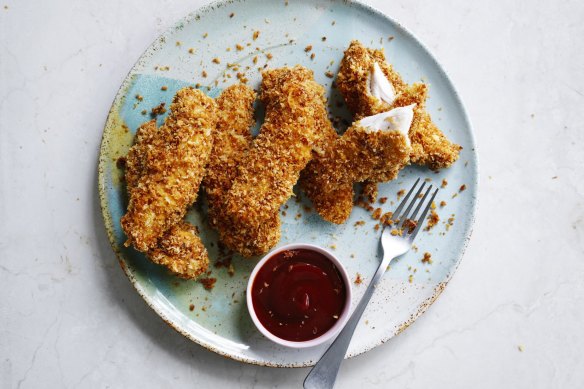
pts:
pixel 218 319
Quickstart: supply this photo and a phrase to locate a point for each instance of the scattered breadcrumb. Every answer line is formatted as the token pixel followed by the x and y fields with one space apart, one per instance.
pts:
pixel 383 200
pixel 358 279
pixel 376 214
pixel 409 225
pixel 329 74
pixel 208 282
pixel 433 219
pixel 232 14
pixel 191 51
pixel 400 193
pixel 139 97
pixel 442 203
pixel 205 35
pixel 158 110
pixel 312 56
pixel 520 348
pixel 444 183
pixel 269 56
pixel 427 258
pixel 256 35
pixel 450 223
pixel 178 43
pixel 462 188
pixel 308 48
pixel 359 223
pixel 216 60
pixel 191 307
pixel 396 232
pixel 204 74
pixel 239 47
pixel 411 278
pixel 386 218
pixel 164 88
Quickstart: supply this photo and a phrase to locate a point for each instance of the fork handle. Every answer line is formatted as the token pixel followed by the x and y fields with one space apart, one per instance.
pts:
pixel 324 374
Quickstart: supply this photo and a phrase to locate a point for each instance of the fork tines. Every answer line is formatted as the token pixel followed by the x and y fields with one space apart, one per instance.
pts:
pixel 404 219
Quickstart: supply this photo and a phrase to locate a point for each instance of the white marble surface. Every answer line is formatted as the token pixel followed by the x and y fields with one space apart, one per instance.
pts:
pixel 69 318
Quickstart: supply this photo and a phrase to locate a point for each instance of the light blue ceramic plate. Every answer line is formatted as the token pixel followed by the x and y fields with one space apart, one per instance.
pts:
pixel 219 320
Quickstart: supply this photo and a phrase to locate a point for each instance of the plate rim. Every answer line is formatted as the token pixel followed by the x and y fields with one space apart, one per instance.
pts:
pixel 102 190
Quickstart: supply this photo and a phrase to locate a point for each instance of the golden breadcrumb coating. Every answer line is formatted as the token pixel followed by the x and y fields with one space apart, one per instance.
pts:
pixel 136 155
pixel 252 239
pixel 173 167
pixel 429 145
pixel 295 121
pixel 232 139
pixel 353 80
pixel 359 155
pixel 370 191
pixel 180 249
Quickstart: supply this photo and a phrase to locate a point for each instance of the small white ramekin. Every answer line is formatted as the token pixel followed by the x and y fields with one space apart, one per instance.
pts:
pixel 334 330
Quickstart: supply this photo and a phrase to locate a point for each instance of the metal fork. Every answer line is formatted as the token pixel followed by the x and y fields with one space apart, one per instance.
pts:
pixel 396 240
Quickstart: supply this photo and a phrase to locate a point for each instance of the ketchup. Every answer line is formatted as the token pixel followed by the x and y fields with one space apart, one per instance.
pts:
pixel 298 294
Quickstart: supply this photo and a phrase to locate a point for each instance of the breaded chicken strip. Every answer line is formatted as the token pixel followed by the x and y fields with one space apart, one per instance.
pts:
pixel 232 139
pixel 355 76
pixel 370 85
pixel 374 149
pixel 180 249
pixel 173 166
pixel 295 121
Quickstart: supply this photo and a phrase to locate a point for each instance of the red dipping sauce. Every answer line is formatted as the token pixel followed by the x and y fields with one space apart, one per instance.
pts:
pixel 298 295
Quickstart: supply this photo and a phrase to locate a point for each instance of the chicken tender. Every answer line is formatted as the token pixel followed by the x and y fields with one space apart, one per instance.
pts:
pixel 368 151
pixel 354 80
pixel 369 86
pixel 180 249
pixel 232 139
pixel 173 166
pixel 295 121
